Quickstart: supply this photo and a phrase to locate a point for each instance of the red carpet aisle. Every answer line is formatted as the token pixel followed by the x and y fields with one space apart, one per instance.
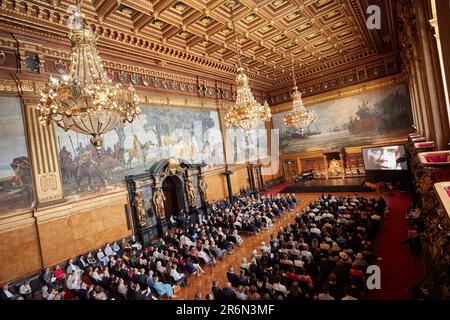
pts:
pixel 400 269
pixel 277 189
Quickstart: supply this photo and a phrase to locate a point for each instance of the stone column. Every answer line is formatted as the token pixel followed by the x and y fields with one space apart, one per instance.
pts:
pixel 440 21
pixel 428 75
pixel 228 173
pixel 420 86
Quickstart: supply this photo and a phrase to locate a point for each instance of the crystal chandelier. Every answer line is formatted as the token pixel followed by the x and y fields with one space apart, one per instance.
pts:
pixel 299 118
pixel 86 101
pixel 247 113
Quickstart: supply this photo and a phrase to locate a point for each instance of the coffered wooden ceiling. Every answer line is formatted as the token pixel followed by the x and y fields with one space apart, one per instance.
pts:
pixel 323 35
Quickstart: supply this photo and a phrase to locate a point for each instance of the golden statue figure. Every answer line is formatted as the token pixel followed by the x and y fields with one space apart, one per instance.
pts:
pixel 158 202
pixel 139 205
pixel 203 188
pixel 190 191
pixel 334 168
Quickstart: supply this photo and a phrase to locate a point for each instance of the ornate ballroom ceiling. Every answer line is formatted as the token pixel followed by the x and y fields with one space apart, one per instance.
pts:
pixel 328 38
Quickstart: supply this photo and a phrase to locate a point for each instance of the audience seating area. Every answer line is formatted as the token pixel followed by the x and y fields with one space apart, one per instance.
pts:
pixel 322 256
pixel 126 271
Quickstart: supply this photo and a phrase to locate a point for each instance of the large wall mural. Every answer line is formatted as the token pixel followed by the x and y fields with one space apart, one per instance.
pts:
pixel 369 118
pixel 15 176
pixel 159 133
pixel 247 146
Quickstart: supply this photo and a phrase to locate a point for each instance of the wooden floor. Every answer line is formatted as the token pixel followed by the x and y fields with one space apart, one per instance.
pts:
pixel 203 283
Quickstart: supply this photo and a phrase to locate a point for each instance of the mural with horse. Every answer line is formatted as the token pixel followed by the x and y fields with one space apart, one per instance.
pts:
pixel 157 134
pixel 15 176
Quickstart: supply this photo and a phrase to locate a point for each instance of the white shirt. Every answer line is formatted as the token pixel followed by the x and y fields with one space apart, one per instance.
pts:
pixel 174 274
pixel 8 294
pixel 24 289
pixel 280 287
pixel 109 251
pixel 204 256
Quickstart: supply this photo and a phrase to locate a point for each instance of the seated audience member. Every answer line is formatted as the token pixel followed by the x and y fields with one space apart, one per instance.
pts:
pixel 193 268
pixel 278 287
pixel 163 289
pixel 228 292
pixel 216 290
pixel 102 257
pixel 135 244
pixel 25 290
pixel 73 268
pixel 325 294
pixel 91 259
pixel 99 294
pixel 232 277
pixel 122 289
pixel 52 294
pixel 241 293
pixel 7 294
pixel 82 293
pixel 48 277
pixel 179 278
pixel 109 250
pixel 82 263
pixel 95 274
pixel 116 248
pixel 73 282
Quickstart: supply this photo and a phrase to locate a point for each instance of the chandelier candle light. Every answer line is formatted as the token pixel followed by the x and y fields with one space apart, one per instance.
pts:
pixel 247 113
pixel 86 101
pixel 299 118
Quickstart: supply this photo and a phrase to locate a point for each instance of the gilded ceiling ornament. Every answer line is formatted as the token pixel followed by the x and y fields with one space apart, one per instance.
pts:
pixel 110 75
pixel 134 79
pixel 122 77
pixel 61 66
pixel 145 81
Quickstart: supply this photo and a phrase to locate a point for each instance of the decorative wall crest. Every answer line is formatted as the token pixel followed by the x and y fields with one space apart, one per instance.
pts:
pixel 134 79
pixel 61 66
pixel 122 77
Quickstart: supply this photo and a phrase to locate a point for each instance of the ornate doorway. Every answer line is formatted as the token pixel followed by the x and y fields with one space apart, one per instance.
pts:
pixel 173 192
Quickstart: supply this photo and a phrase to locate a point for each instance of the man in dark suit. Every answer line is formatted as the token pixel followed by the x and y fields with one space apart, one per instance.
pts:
pixel 233 277
pixel 216 290
pixel 228 292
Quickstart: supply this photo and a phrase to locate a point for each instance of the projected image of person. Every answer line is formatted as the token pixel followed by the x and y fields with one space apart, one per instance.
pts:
pixel 384 158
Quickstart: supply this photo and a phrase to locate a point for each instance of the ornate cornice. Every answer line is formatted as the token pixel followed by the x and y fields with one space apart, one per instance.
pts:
pixel 346 92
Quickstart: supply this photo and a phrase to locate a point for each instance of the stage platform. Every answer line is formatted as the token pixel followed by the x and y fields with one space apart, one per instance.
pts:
pixel 329 186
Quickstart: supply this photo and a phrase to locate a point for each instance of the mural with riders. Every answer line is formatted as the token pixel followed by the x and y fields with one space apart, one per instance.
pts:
pixel 15 176
pixel 159 133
